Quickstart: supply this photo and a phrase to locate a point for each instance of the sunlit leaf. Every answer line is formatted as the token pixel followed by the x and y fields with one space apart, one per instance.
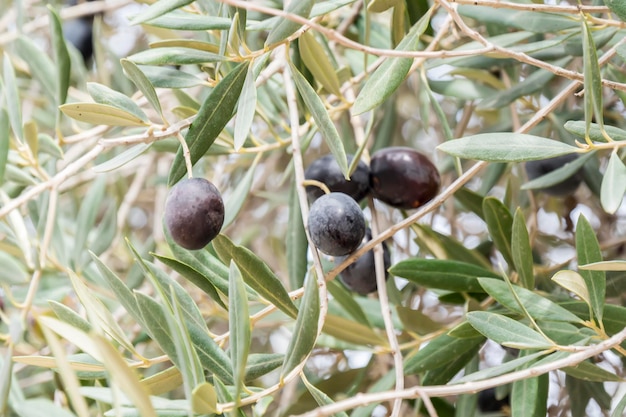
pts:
pixel 572 281
pixel 588 251
pixel 204 399
pixel 286 27
pixel 506 331
pixel 143 84
pixel 239 325
pixel 12 97
pixel 39 64
pixel 613 184
pixel 246 107
pixel 174 56
pixel 159 8
pixel 101 114
pixel 505 147
pixel 105 95
pixel 316 60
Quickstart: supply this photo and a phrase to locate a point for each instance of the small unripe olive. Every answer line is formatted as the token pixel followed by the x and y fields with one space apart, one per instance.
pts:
pixel 194 213
pixel 336 224
pixel 403 177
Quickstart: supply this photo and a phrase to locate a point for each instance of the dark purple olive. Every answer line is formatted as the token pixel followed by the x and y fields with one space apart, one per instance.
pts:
pixel 538 168
pixel 326 170
pixel 403 177
pixel 336 224
pixel 360 276
pixel 194 213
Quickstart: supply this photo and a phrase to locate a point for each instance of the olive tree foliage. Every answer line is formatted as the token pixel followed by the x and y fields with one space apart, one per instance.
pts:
pixel 492 284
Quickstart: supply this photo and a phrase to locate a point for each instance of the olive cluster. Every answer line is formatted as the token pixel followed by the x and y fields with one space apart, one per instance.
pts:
pixel 400 177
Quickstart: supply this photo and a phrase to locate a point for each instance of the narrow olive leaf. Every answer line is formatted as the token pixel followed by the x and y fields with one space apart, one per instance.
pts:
pixel 320 397
pixel 560 174
pixel 522 251
pixel 604 266
pixel 61 56
pixel 179 20
pixel 105 95
pixel 215 112
pixel 235 200
pixel 143 84
pixel 122 293
pixel 175 56
pixel 577 127
pixel 204 399
pixel 620 408
pixel 86 218
pixel 122 159
pixel 506 331
pixel 246 108
pixel 417 322
pixel 472 200
pixel 124 377
pixel 352 331
pixel 296 242
pixel 322 119
pixel 165 381
pixel 239 325
pixel 12 97
pixel 224 396
pixel 500 225
pixel 305 331
pixel 443 274
pixel 587 371
pixel 387 78
pixel 101 114
pixel 572 281
pixel 317 61
pixel 447 247
pixel 39 64
pixel 539 308
pixel 68 332
pixel 379 6
pixel 346 300
pixel 505 147
pixel 4 142
pixel 613 184
pixel 69 316
pixel 592 80
pixel 13 271
pixel 158 9
pixel 256 274
pixel 529 397
pixel 588 251
pixel 438 352
pixel 260 364
pixel 286 27
pixel 502 369
pixel 164 77
pixel 194 276
pixel 155 324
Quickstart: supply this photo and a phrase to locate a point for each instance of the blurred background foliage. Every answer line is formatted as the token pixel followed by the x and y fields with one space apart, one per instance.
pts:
pixel 101 314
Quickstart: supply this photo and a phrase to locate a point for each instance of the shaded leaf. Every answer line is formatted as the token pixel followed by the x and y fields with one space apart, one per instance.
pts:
pixel 502 369
pixel 239 325
pixel 500 225
pixel 558 175
pixel 12 97
pixel 529 397
pixel 286 27
pixel 246 108
pixel 61 56
pixel 351 331
pixel 260 364
pixel 157 9
pixel 320 397
pixel 236 199
pixel 215 112
pixel 316 60
pixel 443 274
pixel 588 251
pixel 521 251
pixel 505 147
pixel 296 242
pixel 587 371
pixel 438 352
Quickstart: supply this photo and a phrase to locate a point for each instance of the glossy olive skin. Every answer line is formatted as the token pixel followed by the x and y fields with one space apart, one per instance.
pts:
pixel 194 213
pixel 360 276
pixel 326 170
pixel 535 169
pixel 336 224
pixel 487 401
pixel 403 177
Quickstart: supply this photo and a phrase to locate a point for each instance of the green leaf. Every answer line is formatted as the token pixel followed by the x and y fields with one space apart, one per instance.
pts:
pixel 574 282
pixel 286 27
pixel 587 371
pixel 256 274
pixel 105 95
pixel 174 56
pixel 595 134
pixel 5 141
pixel 305 331
pixel 61 56
pixel 588 251
pixel 346 300
pixel 155 321
pixel 525 20
pixel 618 411
pixel 239 325
pixel 521 251
pixel 351 331
pixel 204 399
pixel 539 308
pixel 296 242
pixel 613 184
pixel 322 119
pixel 387 78
pixel 438 352
pixel 505 147
pixel 592 80
pixel 316 60
pixel 179 20
pixel 529 397
pixel 69 316
pixel 447 247
pixel 194 276
pixel 560 174
pixel 236 199
pixel 320 397
pixel 215 112
pixel 502 369
pixel 87 217
pixel 143 84
pixel 246 108
pixel 101 114
pixel 123 158
pixel 260 364
pixel 12 97
pixel 604 266
pixel 39 64
pixel 164 77
pixel 158 9
pixel 500 225
pixel 506 331
pixel 443 274
pixel 461 88
pixel 12 271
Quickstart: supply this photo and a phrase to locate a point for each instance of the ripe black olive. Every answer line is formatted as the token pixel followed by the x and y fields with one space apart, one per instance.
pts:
pixel 360 276
pixel 326 170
